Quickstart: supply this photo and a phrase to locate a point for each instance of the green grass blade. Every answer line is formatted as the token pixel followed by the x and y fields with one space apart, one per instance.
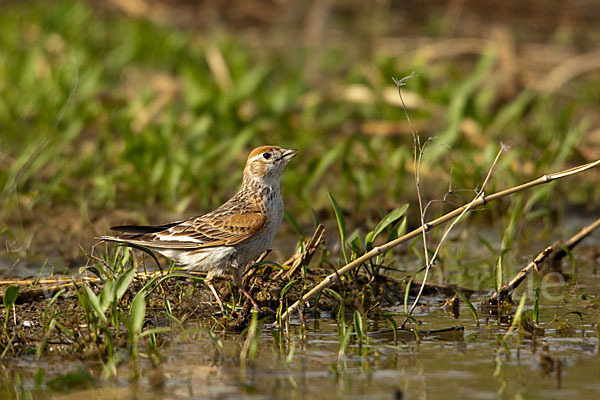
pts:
pixel 137 312
pixel 469 305
pixel 358 326
pixel 498 275
pixel 389 219
pixel 287 287
pixel 335 294
pixel 341 222
pixel 94 302
pixel 536 306
pixel 123 283
pixel 517 316
pixel 406 293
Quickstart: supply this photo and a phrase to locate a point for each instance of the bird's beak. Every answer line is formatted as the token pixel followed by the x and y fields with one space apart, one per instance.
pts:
pixel 288 155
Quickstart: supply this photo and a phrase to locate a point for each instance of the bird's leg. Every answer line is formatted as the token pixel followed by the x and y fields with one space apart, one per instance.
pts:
pixel 209 283
pixel 254 303
pixel 237 281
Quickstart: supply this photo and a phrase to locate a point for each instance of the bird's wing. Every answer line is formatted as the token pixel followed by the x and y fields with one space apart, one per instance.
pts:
pixel 228 225
pixel 216 230
pixel 196 233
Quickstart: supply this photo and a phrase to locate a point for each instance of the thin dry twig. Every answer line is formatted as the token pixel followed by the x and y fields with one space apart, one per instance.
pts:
pixel 480 201
pixel 305 253
pixel 418 152
pixel 479 194
pixel 418 157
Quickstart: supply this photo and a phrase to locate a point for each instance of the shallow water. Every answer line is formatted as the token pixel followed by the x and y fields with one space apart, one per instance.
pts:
pixel 461 364
pixel 464 366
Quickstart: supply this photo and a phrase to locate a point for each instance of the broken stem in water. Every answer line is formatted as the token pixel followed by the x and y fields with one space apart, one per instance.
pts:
pixel 555 252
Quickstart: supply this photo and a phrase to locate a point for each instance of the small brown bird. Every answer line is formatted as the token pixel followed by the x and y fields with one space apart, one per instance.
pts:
pixel 229 238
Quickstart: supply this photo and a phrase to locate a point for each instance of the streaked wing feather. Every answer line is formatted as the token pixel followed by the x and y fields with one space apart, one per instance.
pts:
pixel 207 232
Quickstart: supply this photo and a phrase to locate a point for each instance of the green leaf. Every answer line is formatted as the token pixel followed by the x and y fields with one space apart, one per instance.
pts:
pixel 159 330
pixel 369 239
pixel 388 220
pixel 10 296
pixel 93 301
pixel 515 212
pixel 150 284
pixel 536 306
pixel 215 339
pixel 469 304
pixel 335 294
pixel 344 339
pixel 354 242
pixel 498 275
pixel 407 292
pixel 390 319
pixel 51 302
pixel 123 283
pixel 586 296
pixel 107 295
pixel 322 166
pixel 358 326
pixel 398 230
pixel 137 312
pixel 517 316
pixel 287 287
pixel 174 319
pixel 407 316
pixel 341 222
pixel 487 244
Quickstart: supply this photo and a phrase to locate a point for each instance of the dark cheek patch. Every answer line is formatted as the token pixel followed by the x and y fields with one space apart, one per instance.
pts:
pixel 258 168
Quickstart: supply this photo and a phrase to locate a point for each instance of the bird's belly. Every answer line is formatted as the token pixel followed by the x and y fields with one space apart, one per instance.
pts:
pixel 218 259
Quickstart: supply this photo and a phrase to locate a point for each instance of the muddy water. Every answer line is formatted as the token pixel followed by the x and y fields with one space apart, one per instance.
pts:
pixel 442 366
pixel 561 362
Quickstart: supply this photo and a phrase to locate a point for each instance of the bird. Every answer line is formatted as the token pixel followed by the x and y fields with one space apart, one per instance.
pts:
pixel 230 238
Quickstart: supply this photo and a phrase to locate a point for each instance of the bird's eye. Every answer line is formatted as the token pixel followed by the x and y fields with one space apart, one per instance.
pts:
pixel 267 155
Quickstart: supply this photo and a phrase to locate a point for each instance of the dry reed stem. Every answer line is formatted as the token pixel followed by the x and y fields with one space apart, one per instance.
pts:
pixel 482 200
pixel 558 250
pixel 554 252
pixel 304 253
pixel 31 288
pixel 508 288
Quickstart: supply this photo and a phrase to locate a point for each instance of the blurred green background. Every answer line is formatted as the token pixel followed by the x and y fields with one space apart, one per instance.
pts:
pixel 141 111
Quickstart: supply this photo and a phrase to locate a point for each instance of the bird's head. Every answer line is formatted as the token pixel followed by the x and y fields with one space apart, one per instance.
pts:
pixel 267 163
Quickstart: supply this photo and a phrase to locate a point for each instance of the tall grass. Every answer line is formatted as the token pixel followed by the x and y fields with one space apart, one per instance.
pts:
pixel 133 113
